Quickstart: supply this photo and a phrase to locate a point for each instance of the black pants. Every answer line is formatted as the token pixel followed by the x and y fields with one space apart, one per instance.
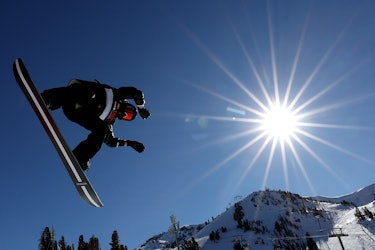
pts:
pixel 86 149
pixel 79 106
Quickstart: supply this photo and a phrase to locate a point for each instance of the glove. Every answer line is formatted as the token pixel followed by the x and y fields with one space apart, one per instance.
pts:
pixel 137 146
pixel 144 113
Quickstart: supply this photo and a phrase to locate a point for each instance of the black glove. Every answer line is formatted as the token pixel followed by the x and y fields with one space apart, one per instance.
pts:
pixel 144 113
pixel 137 146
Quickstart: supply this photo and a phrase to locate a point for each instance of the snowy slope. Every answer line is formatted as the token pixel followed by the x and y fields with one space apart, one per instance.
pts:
pixel 359 198
pixel 267 219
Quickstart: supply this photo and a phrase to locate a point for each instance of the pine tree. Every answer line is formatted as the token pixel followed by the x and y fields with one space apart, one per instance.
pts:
pixel 238 214
pixel 237 246
pixel 217 235
pixel 190 244
pixel 212 236
pixel 115 244
pixel 368 213
pixel 195 245
pixel 93 243
pixel 82 245
pixel 62 243
pixel 47 241
pixel 277 227
pixel 54 245
pixel 359 215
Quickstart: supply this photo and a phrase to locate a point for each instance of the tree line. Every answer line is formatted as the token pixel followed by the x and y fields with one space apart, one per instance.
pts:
pixel 47 242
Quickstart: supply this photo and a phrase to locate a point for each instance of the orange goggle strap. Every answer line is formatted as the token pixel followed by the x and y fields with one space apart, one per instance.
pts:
pixel 112 116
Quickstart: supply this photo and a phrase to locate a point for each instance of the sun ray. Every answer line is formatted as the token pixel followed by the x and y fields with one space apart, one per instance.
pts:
pixel 237 152
pixel 253 68
pixel 231 137
pixel 326 90
pixel 335 105
pixel 334 126
pixel 273 56
pixel 269 162
pixel 327 143
pixel 218 63
pixel 231 156
pixel 300 164
pixel 255 158
pixel 222 118
pixel 315 156
pixel 240 105
pixel 217 118
pixel 284 164
pixel 317 68
pixel 296 60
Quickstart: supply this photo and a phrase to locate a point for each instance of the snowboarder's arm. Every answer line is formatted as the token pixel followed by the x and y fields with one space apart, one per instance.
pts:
pixel 137 96
pixel 112 141
pixel 137 146
pixel 132 93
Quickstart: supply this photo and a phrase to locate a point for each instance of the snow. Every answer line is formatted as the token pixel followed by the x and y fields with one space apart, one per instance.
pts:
pixel 360 197
pixel 278 217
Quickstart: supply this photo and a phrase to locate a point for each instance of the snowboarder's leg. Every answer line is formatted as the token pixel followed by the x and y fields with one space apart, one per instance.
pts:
pixel 86 149
pixel 54 98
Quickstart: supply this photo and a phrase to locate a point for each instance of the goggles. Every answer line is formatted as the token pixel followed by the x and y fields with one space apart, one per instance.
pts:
pixel 126 112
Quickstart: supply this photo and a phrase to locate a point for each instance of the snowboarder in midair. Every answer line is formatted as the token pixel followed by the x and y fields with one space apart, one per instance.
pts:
pixel 96 107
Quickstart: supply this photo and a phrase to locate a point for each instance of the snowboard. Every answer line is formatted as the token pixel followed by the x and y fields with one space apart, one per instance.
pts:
pixel 71 164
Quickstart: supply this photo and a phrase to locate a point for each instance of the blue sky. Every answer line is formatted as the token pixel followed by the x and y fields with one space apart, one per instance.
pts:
pixel 208 69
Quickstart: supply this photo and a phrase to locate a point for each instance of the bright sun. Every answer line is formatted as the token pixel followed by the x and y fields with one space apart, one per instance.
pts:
pixel 281 117
pixel 279 122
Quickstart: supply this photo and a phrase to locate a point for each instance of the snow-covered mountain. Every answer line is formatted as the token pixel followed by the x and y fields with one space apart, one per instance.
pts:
pixel 282 220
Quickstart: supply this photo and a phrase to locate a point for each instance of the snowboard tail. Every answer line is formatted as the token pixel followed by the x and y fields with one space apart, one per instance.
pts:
pixel 71 164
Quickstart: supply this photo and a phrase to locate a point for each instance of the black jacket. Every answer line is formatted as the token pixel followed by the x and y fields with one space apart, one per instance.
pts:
pixel 86 103
pixel 89 105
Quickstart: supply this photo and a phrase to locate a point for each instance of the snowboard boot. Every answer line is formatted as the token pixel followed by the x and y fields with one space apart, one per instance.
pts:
pixel 49 100
pixel 85 165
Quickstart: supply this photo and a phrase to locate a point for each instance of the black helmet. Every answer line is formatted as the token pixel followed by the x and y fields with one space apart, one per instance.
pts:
pixel 126 112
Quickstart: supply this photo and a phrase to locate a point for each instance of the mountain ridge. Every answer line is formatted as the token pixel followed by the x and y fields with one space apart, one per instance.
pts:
pixel 360 197
pixel 275 219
